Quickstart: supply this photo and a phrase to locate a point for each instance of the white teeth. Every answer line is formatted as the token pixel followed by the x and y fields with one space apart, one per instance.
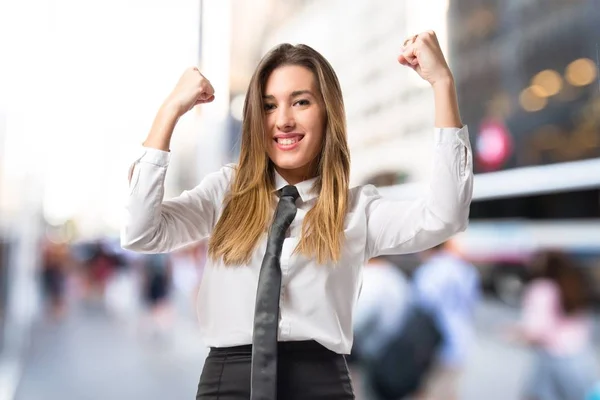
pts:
pixel 286 142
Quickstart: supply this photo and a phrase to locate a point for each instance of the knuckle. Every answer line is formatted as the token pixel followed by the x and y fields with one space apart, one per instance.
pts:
pixel 206 87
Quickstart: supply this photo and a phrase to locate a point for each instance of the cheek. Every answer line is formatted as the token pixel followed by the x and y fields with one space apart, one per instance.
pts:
pixel 316 124
pixel 269 127
pixel 268 122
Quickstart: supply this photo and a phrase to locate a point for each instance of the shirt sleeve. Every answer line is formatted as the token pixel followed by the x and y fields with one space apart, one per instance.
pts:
pixel 152 225
pixel 407 226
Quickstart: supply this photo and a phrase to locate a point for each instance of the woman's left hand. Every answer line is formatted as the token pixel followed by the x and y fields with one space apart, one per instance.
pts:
pixel 422 53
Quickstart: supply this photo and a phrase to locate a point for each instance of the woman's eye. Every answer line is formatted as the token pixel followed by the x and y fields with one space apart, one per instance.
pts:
pixel 269 107
pixel 302 102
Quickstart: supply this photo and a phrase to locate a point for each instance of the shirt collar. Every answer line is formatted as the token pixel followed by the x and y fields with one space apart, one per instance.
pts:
pixel 305 188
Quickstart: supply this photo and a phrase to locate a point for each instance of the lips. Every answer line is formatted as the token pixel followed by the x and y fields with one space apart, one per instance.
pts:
pixel 287 141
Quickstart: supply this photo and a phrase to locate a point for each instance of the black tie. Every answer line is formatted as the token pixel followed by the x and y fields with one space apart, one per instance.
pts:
pixel 266 313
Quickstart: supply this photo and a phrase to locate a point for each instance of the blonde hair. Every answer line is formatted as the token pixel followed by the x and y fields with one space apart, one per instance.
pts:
pixel 249 206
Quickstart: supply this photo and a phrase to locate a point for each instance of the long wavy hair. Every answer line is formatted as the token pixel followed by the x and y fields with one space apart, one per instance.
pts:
pixel 249 206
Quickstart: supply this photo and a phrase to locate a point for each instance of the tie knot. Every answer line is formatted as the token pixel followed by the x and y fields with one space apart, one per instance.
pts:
pixel 289 191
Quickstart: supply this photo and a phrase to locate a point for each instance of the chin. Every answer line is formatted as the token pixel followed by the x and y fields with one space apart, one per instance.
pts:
pixel 287 163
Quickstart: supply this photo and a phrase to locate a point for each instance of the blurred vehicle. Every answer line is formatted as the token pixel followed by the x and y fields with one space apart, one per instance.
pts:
pixel 516 212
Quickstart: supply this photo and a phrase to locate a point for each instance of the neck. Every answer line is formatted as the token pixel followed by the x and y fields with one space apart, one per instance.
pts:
pixel 295 176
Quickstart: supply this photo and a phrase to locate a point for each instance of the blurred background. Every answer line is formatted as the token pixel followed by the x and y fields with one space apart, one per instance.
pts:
pixel 80 83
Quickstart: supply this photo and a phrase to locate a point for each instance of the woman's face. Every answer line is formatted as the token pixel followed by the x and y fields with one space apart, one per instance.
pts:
pixel 294 121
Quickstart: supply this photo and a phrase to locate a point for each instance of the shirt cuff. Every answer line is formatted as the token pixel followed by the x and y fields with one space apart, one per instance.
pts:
pixel 448 135
pixel 154 156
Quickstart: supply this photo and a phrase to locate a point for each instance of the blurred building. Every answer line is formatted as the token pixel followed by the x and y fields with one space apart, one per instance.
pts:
pixel 21 228
pixel 527 79
pixel 4 242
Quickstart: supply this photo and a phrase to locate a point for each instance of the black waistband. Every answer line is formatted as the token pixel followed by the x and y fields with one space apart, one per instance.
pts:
pixel 304 346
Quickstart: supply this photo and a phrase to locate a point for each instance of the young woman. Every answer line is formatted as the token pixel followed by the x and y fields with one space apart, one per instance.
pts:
pixel 557 324
pixel 294 133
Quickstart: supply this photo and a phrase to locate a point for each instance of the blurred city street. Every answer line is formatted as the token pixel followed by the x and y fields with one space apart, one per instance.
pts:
pixel 91 356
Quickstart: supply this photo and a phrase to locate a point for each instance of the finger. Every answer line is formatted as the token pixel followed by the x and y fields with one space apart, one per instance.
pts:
pixel 402 60
pixel 207 88
pixel 209 100
pixel 414 64
pixel 408 55
pixel 204 101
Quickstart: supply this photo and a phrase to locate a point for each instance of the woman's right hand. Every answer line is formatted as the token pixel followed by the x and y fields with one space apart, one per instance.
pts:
pixel 191 89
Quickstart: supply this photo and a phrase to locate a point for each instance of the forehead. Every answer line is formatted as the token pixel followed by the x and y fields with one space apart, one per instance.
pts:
pixel 289 78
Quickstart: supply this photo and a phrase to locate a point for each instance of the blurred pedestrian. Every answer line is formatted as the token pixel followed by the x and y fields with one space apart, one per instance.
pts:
pixel 449 287
pixel 100 268
pixel 53 277
pixel 384 296
pixel 556 322
pixel 294 153
pixel 156 291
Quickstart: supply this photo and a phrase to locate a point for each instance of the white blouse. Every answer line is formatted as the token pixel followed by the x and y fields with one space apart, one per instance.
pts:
pixel 317 301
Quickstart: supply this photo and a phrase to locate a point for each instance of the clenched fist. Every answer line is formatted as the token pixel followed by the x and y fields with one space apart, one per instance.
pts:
pixel 422 53
pixel 191 89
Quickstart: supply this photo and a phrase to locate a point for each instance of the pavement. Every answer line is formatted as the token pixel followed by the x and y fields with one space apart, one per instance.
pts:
pixel 93 355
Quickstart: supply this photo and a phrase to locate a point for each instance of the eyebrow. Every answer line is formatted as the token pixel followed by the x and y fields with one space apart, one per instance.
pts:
pixel 295 93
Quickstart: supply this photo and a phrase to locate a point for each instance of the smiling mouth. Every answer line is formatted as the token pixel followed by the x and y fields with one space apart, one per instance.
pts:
pixel 289 140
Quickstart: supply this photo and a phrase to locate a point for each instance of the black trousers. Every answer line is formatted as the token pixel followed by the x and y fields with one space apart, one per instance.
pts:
pixel 305 370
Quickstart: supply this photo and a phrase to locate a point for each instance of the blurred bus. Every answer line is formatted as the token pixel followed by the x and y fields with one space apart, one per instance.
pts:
pixel 517 212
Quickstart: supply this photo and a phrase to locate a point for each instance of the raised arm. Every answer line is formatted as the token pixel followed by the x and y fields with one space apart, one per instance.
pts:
pixel 403 227
pixel 408 226
pixel 154 226
pixel 191 89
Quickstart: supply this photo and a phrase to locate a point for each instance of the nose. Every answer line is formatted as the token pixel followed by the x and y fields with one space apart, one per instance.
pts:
pixel 285 119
